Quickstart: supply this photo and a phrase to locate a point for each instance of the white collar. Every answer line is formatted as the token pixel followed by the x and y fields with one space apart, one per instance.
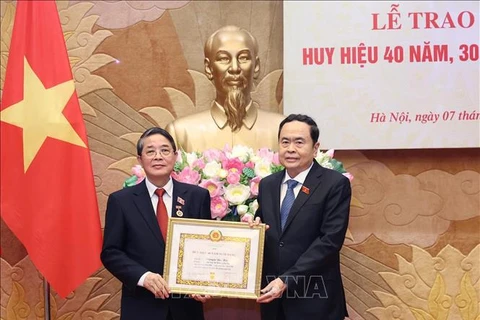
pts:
pixel 300 178
pixel 168 187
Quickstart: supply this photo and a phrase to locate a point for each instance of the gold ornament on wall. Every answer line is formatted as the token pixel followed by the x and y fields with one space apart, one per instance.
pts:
pixel 446 286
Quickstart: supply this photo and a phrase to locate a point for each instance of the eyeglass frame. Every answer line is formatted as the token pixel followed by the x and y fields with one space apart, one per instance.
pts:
pixel 160 151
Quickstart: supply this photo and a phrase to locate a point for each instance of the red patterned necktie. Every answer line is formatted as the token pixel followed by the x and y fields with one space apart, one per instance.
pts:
pixel 162 215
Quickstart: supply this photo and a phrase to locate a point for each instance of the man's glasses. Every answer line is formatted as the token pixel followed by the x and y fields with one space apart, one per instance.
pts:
pixel 165 152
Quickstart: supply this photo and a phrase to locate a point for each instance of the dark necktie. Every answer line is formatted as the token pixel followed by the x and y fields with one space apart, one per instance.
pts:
pixel 162 215
pixel 287 202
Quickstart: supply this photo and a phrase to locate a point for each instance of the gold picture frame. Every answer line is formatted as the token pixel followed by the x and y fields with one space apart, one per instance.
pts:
pixel 216 258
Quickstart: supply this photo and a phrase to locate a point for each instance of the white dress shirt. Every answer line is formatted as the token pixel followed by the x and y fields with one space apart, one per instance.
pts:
pixel 167 199
pixel 300 178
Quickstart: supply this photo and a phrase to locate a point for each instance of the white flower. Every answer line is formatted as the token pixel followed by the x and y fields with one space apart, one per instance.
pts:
pixel 222 173
pixel 191 157
pixel 253 206
pixel 237 193
pixel 322 157
pixel 241 152
pixel 212 169
pixel 326 164
pixel 262 168
pixel 255 158
pixel 242 209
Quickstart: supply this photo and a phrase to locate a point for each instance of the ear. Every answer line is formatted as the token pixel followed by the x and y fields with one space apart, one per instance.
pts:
pixel 316 146
pixel 208 69
pixel 256 71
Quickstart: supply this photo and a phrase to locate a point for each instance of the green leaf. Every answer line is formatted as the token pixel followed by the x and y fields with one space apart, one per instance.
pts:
pixel 178 167
pixel 231 217
pixel 337 166
pixel 248 201
pixel 244 180
pixel 249 173
pixel 276 168
pixel 130 182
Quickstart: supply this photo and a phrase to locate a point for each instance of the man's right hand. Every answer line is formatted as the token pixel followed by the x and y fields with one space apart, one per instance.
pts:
pixel 156 285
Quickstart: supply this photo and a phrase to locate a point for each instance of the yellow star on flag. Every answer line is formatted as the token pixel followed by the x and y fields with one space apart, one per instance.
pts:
pixel 40 115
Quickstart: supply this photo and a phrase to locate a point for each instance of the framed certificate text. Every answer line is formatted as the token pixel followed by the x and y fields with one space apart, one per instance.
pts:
pixel 216 258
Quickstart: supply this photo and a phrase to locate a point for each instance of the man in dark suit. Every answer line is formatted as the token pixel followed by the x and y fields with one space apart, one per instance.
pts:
pixel 135 229
pixel 306 207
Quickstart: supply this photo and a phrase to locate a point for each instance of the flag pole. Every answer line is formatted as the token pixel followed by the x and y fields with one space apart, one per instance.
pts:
pixel 46 293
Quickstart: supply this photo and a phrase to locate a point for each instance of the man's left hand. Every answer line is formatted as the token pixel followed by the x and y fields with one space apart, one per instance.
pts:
pixel 253 223
pixel 273 290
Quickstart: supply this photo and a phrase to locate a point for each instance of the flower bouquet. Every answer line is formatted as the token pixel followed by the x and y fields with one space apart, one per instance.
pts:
pixel 232 176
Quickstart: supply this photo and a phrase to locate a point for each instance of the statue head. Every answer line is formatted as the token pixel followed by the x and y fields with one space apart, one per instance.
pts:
pixel 231 62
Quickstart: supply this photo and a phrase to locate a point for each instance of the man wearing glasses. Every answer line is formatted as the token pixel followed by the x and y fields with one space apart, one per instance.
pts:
pixel 136 223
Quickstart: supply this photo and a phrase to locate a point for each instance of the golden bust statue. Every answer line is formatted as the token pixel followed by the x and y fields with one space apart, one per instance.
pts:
pixel 231 62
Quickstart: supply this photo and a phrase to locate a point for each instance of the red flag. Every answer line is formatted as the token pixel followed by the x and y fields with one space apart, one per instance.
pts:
pixel 48 194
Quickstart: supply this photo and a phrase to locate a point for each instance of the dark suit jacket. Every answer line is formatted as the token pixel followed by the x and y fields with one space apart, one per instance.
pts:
pixel 133 245
pixel 306 254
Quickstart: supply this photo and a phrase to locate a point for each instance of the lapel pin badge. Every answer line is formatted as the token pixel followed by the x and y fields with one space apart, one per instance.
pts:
pixel 181 201
pixel 179 213
pixel 305 190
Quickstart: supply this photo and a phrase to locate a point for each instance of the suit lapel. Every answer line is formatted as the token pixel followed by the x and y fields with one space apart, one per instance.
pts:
pixel 178 200
pixel 276 186
pixel 312 181
pixel 144 204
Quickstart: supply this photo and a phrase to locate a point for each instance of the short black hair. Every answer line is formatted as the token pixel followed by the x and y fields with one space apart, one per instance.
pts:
pixel 314 131
pixel 152 131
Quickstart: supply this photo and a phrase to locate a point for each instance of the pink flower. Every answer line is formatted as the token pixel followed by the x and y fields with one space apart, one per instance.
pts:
pixel 138 171
pixel 348 175
pixel 250 165
pixel 213 186
pixel 330 153
pixel 276 160
pixel 234 163
pixel 179 156
pixel 233 177
pixel 218 207
pixel 187 175
pixel 254 186
pixel 265 154
pixel 199 163
pixel 213 155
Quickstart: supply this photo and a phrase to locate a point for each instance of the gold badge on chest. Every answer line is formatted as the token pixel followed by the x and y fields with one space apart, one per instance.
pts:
pixel 179 212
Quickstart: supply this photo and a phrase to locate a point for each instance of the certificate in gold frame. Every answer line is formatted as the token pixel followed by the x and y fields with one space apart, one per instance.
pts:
pixel 216 258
